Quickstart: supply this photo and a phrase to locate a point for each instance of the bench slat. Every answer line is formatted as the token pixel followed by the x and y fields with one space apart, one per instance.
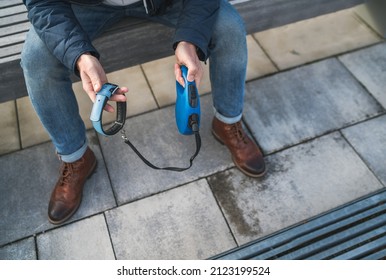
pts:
pixel 13 19
pixel 12 39
pixel 11 51
pixel 334 250
pixel 368 248
pixel 357 218
pixel 376 256
pixel 343 240
pixel 12 29
pixel 340 234
pixel 6 3
pixel 10 59
pixel 12 10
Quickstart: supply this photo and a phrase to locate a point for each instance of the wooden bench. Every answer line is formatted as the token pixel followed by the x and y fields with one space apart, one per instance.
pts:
pixel 146 41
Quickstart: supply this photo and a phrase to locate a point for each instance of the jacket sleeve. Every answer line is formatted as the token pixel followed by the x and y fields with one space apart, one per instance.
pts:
pixel 195 24
pixel 57 26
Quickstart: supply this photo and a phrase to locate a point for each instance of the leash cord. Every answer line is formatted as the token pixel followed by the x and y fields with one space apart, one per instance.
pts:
pixel 195 129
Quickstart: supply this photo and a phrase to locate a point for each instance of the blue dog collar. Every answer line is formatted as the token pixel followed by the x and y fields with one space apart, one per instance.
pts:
pixel 96 113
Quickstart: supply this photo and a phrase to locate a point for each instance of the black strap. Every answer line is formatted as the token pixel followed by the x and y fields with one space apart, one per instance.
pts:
pixel 120 119
pixel 178 169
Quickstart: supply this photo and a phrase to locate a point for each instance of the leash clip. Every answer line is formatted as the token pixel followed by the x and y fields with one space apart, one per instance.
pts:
pixel 123 135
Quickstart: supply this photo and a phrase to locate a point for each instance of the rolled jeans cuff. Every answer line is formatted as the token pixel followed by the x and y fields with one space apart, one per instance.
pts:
pixel 75 155
pixel 227 120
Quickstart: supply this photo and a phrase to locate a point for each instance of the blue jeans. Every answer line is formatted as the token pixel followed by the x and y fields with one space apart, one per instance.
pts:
pixel 50 88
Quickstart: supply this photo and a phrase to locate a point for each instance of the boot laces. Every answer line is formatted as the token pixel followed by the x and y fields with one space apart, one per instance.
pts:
pixel 67 170
pixel 238 132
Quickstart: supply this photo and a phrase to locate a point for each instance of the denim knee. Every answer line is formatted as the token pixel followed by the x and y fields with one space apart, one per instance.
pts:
pixel 38 62
pixel 229 34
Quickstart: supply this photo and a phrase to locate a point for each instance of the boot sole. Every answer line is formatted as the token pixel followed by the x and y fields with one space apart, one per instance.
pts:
pixel 253 175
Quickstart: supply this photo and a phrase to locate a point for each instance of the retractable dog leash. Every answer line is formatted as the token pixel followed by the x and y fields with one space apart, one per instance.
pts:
pixel 187 115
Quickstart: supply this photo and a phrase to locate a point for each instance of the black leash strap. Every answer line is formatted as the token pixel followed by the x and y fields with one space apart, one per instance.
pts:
pixel 148 163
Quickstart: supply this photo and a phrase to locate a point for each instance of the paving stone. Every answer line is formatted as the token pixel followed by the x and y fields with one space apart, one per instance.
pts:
pixel 9 141
pixel 32 131
pixel 259 63
pixel 87 239
pixel 183 223
pixel 301 182
pixel 156 136
pixel 297 105
pixel 316 38
pixel 368 139
pixel 26 181
pixel 369 67
pixel 21 250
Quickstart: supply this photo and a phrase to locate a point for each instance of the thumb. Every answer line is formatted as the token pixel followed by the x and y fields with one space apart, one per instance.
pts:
pixel 192 72
pixel 191 77
pixel 97 77
pixel 96 83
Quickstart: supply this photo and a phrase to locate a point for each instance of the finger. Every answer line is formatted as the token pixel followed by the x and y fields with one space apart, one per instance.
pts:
pixel 87 87
pixel 97 78
pixel 109 108
pixel 122 90
pixel 90 92
pixel 119 95
pixel 178 74
pixel 192 73
pixel 97 82
pixel 195 73
pixel 118 98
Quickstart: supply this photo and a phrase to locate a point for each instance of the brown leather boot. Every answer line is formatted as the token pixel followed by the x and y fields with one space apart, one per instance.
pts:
pixel 245 153
pixel 67 194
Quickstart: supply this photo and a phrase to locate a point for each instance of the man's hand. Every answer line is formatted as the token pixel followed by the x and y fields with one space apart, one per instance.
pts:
pixel 186 55
pixel 93 77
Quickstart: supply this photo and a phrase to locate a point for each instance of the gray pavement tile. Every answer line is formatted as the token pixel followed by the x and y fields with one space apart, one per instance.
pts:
pixel 9 141
pixel 156 136
pixel 368 139
pixel 183 223
pixel 21 250
pixel 27 178
pixel 369 67
pixel 301 182
pixel 294 106
pixel 87 239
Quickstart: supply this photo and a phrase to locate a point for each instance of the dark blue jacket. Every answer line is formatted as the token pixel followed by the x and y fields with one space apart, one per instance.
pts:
pixel 56 25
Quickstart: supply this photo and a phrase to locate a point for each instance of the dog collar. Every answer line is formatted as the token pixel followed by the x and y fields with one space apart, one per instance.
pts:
pixel 96 113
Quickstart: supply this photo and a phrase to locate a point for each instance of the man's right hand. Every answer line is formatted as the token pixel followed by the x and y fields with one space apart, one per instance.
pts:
pixel 186 54
pixel 93 77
